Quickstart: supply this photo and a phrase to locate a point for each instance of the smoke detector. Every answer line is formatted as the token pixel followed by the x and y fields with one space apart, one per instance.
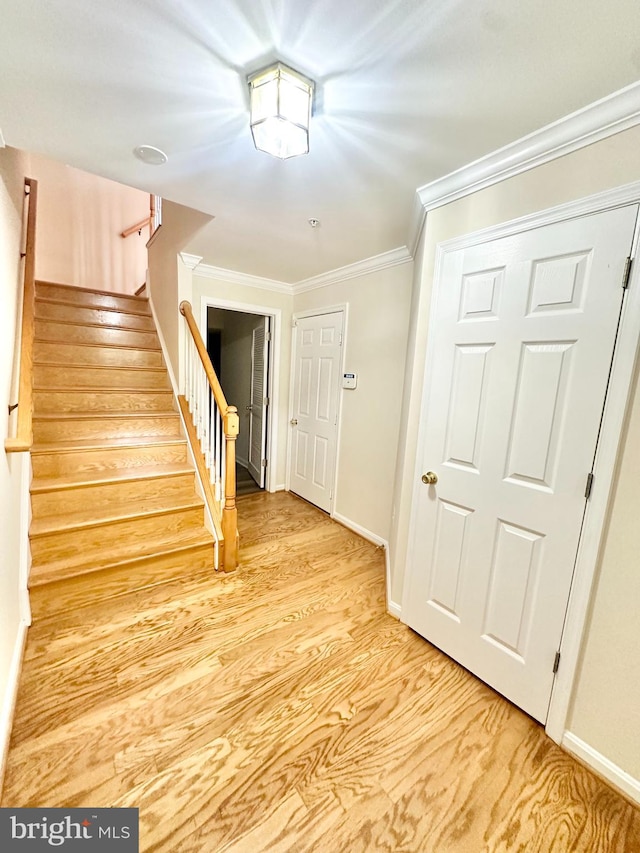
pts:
pixel 150 155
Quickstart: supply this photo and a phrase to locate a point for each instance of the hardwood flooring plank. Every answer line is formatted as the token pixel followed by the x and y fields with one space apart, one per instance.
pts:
pixel 281 709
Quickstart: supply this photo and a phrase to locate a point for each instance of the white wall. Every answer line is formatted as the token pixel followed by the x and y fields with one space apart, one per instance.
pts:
pixel 14 167
pixel 169 280
pixel 80 218
pixel 376 334
pixel 606 702
pixel 206 289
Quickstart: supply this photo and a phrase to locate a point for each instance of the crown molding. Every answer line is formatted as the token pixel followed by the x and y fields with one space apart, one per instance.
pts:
pixel 234 277
pixel 599 120
pixel 377 262
pixel 368 265
pixel 190 261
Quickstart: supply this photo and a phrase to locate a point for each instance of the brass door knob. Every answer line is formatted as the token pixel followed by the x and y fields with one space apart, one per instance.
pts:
pixel 430 478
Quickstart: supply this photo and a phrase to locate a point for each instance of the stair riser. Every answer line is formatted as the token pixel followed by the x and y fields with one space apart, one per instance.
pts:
pixel 46 432
pixel 68 402
pixel 79 547
pixel 105 459
pixel 45 352
pixel 110 496
pixel 93 316
pixel 77 296
pixel 48 376
pixel 51 600
pixel 68 333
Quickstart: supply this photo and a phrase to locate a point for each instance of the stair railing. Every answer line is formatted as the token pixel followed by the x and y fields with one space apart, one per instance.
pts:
pixel 153 220
pixel 23 438
pixel 214 424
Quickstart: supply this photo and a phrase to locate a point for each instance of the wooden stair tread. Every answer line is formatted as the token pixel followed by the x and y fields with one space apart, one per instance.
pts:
pixel 127 511
pixel 78 365
pixel 88 325
pixel 73 289
pixel 120 556
pixel 108 344
pixel 140 308
pixel 102 389
pixel 116 475
pixel 127 413
pixel 81 445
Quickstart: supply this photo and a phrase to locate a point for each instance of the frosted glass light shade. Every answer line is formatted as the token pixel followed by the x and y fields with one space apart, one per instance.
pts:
pixel 281 100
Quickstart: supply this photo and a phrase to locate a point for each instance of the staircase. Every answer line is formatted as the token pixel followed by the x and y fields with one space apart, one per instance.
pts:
pixel 114 505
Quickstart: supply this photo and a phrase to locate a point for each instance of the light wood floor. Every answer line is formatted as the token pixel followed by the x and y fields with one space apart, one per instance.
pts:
pixel 281 709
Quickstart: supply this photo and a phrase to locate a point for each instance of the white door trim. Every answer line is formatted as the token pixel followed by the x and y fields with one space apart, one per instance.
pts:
pixel 299 315
pixel 273 371
pixel 614 416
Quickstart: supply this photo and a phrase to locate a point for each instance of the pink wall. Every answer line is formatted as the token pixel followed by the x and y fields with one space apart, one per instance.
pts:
pixel 80 217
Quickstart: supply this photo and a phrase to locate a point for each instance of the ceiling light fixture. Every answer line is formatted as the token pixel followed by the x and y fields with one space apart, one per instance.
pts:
pixel 281 101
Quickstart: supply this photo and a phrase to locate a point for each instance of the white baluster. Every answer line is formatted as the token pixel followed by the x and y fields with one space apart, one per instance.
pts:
pixel 223 466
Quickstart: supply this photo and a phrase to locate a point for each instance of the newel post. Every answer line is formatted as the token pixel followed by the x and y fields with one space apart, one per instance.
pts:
pixel 230 512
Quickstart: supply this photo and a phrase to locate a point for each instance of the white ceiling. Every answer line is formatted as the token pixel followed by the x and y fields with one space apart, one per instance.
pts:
pixel 408 90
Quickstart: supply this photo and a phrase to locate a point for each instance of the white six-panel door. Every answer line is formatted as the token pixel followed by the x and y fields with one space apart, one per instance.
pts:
pixel 523 335
pixel 314 425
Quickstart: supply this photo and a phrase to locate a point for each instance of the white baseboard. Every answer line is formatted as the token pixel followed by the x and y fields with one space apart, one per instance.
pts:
pixel 618 777
pixel 163 346
pixel 10 696
pixel 394 610
pixel 242 461
pixel 280 488
pixel 361 531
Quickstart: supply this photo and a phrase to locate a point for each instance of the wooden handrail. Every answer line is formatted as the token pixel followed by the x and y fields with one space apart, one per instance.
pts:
pixel 150 221
pixel 231 427
pixel 218 393
pixel 137 227
pixel 24 432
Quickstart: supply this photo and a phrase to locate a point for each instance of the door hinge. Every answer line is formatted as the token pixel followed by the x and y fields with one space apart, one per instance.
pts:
pixel 266 402
pixel 626 273
pixel 268 336
pixel 340 342
pixel 556 662
pixel 264 463
pixel 589 486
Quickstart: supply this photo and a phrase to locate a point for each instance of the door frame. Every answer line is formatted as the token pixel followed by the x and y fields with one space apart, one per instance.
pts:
pixel 264 408
pixel 273 371
pixel 614 417
pixel 299 315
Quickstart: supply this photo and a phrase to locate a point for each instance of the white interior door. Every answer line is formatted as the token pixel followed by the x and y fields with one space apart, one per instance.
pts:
pixel 314 425
pixel 259 401
pixel 523 335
